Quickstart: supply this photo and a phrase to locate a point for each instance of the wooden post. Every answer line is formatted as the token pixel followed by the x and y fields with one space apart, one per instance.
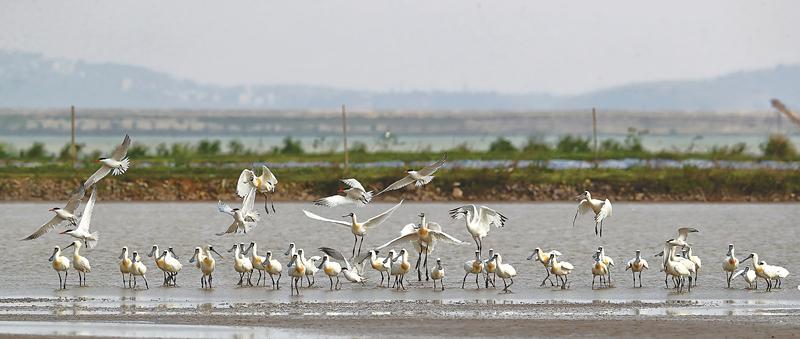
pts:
pixel 73 149
pixel 344 134
pixel 594 134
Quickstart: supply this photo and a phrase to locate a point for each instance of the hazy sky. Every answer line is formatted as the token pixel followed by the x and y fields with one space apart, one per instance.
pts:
pixel 507 46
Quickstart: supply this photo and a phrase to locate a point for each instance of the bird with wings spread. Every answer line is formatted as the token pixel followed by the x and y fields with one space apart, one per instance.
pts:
pixel 118 163
pixel 359 229
pixel 67 214
pixel 424 237
pixel 356 194
pixel 264 184
pixel 479 221
pixel 418 178
pixel 82 231
pixel 602 210
pixel 243 218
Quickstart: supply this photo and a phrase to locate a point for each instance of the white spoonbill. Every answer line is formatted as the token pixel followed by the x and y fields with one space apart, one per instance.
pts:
pixel 310 266
pixel 352 272
pixel 273 267
pixel 606 260
pixel 117 163
pixel 79 263
pixel 66 214
pixel 359 229
pixel 437 273
pixel 241 264
pixel 82 231
pixel 356 194
pixel 544 258
pixel 171 266
pixel 125 265
pixel 479 221
pixel 206 264
pixel 399 267
pixel 637 265
pixel 264 184
pixel 138 270
pixel 504 271
pixel 560 269
pixel 418 178
pixel 257 260
pixel 748 275
pixel 60 264
pixel 731 264
pixel 687 253
pixel 676 266
pixel 244 218
pixel 490 269
pixel 475 267
pixel 159 261
pixel 599 269
pixel 764 271
pixel 297 271
pixel 379 264
pixel 331 269
pixel 424 237
pixel 602 210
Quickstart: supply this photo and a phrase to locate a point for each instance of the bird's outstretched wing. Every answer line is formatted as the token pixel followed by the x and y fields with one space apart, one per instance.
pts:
pixel 316 217
pixel 432 168
pixel 86 219
pixel 332 201
pixel 434 226
pixel 248 203
pixel 122 150
pixel 244 185
pixel 75 199
pixel 397 185
pixel 353 183
pixel 380 218
pixel 96 176
pixel 332 253
pixel 605 211
pixel 405 237
pixel 444 237
pixel 408 228
pixel 583 207
pixel 224 208
pixel 265 172
pixel 458 212
pixel 492 217
pixel 55 221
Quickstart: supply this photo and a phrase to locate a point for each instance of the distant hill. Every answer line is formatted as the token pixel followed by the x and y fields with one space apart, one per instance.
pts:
pixel 30 80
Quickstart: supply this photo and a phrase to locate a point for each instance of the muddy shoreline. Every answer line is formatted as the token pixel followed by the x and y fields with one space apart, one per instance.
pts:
pixel 36 188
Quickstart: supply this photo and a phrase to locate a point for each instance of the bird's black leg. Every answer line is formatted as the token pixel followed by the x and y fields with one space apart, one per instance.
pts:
pixel 416 266
pixel 427 278
pixel 355 242
pixel 359 245
pixel 463 282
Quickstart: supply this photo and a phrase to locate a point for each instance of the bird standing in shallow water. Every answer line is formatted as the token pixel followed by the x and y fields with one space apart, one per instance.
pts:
pixel 730 264
pixel 637 264
pixel 60 264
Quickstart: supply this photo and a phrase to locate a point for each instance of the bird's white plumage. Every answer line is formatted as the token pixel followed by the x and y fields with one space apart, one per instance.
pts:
pixel 118 157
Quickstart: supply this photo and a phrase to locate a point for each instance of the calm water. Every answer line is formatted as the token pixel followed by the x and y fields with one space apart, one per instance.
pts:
pixel 769 229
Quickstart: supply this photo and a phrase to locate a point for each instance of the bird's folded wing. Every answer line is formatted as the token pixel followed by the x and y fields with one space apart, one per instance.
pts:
pixel 407 237
pixel 45 228
pixel 605 211
pixel 122 150
pixel 492 217
pixel 353 183
pixel 432 168
pixel 244 186
pixel 397 184
pixel 566 265
pixel 316 217
pixel 86 219
pixel 441 236
pixel 380 218
pixel 331 201
pixel 96 176
pixel 265 171
pixel 224 208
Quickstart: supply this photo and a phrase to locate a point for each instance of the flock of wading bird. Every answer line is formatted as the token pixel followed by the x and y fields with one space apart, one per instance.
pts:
pixel 678 262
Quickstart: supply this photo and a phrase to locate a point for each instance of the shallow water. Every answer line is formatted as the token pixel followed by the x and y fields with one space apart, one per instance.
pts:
pixel 768 229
